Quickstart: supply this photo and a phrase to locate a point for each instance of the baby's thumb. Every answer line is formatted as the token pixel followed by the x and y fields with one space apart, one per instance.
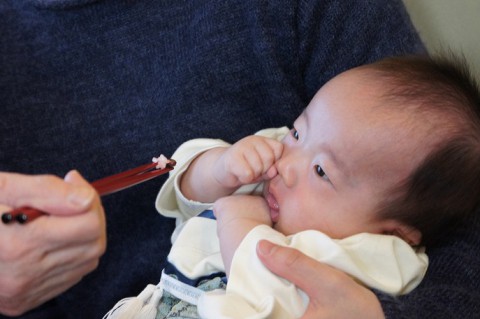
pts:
pixel 271 173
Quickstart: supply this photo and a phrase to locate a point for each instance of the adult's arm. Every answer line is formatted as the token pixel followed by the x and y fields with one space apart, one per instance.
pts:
pixel 43 258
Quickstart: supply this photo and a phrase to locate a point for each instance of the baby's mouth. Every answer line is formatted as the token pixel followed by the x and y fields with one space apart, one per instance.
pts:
pixel 274 207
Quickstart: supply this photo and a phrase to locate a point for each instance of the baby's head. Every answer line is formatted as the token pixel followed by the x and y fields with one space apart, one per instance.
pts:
pixel 392 147
pixel 444 186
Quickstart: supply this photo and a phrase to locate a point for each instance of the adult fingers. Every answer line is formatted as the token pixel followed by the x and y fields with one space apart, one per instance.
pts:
pixel 58 232
pixel 292 265
pixel 45 192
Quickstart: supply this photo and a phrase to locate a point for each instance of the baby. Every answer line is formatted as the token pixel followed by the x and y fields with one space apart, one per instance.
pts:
pixel 382 161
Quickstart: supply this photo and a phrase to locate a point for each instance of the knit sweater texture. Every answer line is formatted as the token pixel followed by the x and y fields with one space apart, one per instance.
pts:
pixel 102 86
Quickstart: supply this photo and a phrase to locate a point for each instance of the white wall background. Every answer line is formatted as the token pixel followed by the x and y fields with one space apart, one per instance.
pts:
pixel 452 24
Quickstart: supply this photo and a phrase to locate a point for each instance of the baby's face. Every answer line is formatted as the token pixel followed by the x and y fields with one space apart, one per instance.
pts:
pixel 340 159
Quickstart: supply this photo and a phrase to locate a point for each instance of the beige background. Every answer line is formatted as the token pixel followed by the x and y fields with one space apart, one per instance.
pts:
pixel 452 24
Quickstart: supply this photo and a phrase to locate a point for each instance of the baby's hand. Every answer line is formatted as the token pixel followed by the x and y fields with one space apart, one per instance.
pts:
pixel 248 161
pixel 236 216
pixel 236 210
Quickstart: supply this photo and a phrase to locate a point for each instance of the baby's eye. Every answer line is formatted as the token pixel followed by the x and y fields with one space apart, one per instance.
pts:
pixel 319 170
pixel 295 133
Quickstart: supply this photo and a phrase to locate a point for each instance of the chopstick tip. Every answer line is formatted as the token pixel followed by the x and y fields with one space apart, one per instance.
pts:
pixel 172 162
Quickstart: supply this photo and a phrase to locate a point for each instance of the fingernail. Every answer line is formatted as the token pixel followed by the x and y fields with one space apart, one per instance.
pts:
pixel 265 247
pixel 81 196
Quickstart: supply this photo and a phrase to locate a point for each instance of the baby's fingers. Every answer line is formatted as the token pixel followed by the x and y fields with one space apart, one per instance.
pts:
pixel 259 160
pixel 251 158
pixel 269 151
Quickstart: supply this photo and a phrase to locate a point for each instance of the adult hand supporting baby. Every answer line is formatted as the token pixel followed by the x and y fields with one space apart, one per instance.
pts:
pixel 43 258
pixel 332 293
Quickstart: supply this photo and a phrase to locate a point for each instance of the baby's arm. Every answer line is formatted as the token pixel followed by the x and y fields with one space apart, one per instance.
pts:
pixel 236 216
pixel 220 171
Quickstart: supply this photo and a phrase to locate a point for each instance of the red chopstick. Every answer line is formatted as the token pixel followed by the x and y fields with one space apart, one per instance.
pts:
pixel 132 177
pixel 104 186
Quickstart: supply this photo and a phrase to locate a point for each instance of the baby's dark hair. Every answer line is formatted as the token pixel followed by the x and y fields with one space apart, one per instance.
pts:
pixel 444 189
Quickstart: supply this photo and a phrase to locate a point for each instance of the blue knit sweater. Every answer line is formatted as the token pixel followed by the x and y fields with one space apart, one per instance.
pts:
pixel 102 86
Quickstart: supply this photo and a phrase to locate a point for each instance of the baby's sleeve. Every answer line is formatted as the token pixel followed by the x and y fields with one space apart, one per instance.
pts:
pixel 170 201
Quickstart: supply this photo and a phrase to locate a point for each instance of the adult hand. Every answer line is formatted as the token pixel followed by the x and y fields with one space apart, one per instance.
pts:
pixel 43 258
pixel 332 293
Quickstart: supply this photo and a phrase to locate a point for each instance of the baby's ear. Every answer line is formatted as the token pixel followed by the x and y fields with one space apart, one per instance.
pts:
pixel 408 233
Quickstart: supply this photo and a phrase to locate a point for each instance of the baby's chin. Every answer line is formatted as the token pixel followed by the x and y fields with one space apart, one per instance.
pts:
pixel 278 227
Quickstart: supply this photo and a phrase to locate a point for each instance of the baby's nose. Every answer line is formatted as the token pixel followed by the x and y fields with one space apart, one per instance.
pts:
pixel 287 168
